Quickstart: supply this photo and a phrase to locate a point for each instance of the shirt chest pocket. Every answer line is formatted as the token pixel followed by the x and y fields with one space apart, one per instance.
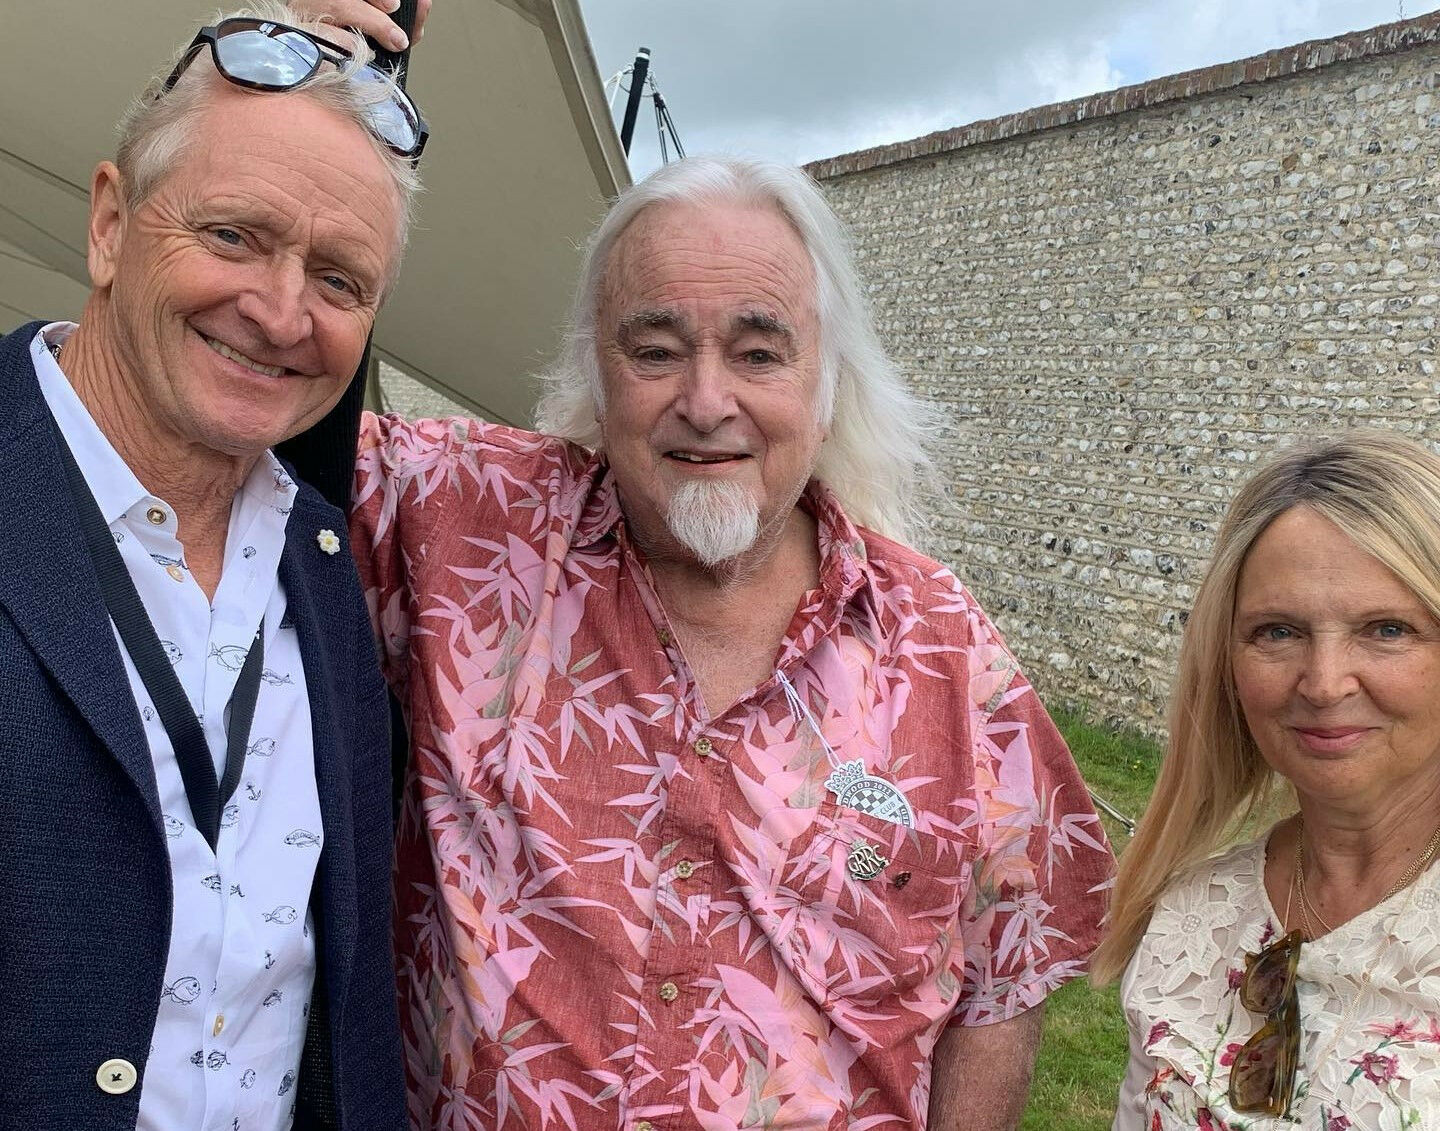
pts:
pixel 876 905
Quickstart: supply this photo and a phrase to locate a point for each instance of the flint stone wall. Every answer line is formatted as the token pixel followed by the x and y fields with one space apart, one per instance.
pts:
pixel 1125 303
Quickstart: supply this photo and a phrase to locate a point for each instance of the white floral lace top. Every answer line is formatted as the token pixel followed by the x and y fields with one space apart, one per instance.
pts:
pixel 1369 1007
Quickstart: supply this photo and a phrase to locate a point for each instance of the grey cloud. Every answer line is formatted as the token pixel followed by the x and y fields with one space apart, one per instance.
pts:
pixel 805 79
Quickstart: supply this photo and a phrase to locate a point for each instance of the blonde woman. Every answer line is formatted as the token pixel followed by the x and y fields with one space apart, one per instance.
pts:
pixel 1294 980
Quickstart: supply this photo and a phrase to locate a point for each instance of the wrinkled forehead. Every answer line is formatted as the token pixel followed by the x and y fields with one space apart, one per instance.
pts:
pixel 717 256
pixel 297 158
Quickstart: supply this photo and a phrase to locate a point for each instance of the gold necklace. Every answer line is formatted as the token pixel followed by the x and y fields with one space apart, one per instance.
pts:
pixel 1407 877
pixel 1305 907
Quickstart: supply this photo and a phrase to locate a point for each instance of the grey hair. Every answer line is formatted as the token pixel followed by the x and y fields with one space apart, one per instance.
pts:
pixel 155 131
pixel 876 458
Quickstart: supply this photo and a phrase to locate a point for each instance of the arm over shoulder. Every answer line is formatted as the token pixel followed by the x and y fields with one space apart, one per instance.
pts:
pixel 420 484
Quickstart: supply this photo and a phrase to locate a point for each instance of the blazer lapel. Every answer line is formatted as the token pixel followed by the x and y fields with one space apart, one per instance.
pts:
pixel 314 584
pixel 47 583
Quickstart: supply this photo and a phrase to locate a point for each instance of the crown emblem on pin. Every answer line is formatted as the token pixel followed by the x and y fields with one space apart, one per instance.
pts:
pixel 845 775
pixel 854 788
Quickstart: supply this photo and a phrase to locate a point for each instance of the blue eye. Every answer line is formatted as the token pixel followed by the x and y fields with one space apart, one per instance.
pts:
pixel 228 235
pixel 1274 634
pixel 1391 630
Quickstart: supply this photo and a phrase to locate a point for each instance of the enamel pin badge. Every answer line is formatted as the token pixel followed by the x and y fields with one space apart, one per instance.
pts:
pixel 864 862
pixel 875 797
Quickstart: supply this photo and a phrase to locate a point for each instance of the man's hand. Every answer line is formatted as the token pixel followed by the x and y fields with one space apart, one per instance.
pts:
pixel 980 1074
pixel 368 16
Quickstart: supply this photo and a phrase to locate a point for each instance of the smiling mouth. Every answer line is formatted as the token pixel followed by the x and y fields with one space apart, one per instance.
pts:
pixel 240 359
pixel 702 457
pixel 1332 739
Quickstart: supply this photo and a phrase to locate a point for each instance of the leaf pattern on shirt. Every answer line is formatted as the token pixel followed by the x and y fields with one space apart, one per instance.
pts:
pixel 555 970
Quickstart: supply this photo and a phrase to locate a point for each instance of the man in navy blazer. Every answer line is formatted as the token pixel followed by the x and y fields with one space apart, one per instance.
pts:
pixel 195 850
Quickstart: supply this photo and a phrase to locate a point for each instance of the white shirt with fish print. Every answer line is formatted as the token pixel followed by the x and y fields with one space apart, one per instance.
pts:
pixel 233 1008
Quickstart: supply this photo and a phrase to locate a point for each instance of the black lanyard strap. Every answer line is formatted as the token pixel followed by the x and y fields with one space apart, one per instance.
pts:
pixel 192 752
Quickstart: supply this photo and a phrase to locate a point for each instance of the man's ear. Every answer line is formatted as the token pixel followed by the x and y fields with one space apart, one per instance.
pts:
pixel 108 215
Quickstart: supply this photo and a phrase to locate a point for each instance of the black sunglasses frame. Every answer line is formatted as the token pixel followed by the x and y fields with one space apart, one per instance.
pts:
pixel 327 53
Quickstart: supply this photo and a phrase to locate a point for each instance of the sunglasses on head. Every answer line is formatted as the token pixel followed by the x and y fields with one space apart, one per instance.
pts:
pixel 1262 1079
pixel 260 55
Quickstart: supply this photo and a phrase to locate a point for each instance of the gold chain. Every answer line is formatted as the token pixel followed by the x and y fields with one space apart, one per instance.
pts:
pixel 1406 878
pixel 1305 907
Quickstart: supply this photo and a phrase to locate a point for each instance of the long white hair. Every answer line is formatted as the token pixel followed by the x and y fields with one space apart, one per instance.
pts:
pixel 876 459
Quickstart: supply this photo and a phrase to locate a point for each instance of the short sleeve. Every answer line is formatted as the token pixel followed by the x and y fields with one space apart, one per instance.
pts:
pixel 1043 866
pixel 1139 1071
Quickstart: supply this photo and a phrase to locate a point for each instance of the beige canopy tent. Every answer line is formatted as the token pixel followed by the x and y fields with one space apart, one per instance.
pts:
pixel 523 154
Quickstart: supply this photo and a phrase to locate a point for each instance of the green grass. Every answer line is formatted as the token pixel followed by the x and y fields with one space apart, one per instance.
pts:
pixel 1082 1058
pixel 1083 1054
pixel 1120 767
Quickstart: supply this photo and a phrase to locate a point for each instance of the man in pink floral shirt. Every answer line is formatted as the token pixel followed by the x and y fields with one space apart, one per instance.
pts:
pixel 723 811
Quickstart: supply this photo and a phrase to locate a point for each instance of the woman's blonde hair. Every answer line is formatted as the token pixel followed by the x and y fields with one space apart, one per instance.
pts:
pixel 1383 491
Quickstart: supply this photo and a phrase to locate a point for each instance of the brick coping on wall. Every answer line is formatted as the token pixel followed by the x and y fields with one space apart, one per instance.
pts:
pixel 1386 39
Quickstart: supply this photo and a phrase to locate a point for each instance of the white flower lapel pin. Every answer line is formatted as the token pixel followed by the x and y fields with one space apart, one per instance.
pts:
pixel 328 542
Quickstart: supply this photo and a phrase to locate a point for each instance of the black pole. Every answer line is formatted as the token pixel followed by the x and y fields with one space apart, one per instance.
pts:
pixel 638 74
pixel 398 61
pixel 666 125
pixel 324 454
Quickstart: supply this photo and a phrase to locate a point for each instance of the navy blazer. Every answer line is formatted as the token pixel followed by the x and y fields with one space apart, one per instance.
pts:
pixel 84 872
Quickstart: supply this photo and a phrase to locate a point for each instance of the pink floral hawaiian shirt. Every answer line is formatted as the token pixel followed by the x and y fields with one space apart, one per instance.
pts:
pixel 615 910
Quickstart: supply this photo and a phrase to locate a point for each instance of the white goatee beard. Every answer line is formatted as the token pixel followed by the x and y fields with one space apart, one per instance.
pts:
pixel 715 520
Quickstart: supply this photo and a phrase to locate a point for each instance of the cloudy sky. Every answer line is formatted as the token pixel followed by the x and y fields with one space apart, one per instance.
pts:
pixel 801 79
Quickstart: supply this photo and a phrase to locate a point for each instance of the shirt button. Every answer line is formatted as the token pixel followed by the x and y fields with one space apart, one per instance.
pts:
pixel 219 1026
pixel 684 870
pixel 703 747
pixel 116 1077
pixel 156 516
pixel 669 991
